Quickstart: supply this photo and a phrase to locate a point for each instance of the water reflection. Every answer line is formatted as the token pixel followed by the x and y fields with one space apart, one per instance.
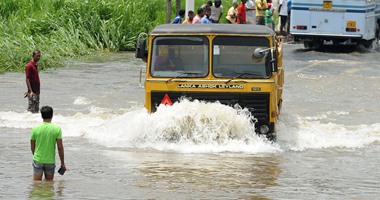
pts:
pixel 215 175
pixel 46 190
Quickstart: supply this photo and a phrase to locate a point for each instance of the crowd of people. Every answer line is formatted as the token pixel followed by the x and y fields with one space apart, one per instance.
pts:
pixel 260 12
pixel 206 14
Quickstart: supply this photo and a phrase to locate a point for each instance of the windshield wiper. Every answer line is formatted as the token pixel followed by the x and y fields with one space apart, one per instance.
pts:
pixel 184 74
pixel 242 74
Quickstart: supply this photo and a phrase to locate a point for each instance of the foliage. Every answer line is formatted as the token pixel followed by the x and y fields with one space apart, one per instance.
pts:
pixel 66 28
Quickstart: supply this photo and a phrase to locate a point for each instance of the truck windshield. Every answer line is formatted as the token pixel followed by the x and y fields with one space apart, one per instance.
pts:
pixel 233 57
pixel 180 56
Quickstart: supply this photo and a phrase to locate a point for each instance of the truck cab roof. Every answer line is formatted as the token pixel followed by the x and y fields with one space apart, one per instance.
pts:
pixel 212 28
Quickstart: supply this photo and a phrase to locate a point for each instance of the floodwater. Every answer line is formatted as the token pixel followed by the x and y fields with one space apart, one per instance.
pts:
pixel 328 135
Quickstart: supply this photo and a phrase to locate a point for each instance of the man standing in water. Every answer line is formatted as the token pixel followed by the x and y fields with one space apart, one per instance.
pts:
pixel 42 143
pixel 33 82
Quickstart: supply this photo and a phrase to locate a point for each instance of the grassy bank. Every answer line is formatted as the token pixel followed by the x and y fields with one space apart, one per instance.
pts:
pixel 62 29
pixel 66 28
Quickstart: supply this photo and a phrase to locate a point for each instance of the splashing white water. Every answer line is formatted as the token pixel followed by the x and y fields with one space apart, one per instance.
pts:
pixel 198 127
pixel 82 101
pixel 185 127
pixel 298 134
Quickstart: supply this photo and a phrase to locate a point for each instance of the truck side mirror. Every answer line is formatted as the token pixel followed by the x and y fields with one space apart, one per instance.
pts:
pixel 140 49
pixel 259 54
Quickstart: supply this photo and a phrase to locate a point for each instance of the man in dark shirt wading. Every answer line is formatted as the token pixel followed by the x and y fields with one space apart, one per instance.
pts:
pixel 33 83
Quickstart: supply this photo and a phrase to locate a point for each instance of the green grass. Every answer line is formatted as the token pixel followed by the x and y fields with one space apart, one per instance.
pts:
pixel 63 29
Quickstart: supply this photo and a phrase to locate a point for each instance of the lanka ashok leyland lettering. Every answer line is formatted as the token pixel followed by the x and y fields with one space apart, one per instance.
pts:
pixel 232 64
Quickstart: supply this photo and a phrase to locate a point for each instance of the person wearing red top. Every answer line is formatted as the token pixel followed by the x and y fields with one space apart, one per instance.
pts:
pixel 241 15
pixel 33 82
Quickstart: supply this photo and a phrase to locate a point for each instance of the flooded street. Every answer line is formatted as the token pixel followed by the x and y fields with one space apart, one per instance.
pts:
pixel 328 135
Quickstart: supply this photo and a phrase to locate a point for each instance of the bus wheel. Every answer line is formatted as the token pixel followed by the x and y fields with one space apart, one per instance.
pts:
pixel 365 45
pixel 368 44
pixel 318 44
pixel 313 45
pixel 308 45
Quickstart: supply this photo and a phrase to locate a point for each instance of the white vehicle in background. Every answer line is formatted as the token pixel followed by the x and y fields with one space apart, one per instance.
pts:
pixel 351 22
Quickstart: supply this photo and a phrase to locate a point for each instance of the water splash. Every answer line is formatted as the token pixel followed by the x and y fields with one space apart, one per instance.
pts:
pixel 301 133
pixel 189 127
pixel 200 127
pixel 82 101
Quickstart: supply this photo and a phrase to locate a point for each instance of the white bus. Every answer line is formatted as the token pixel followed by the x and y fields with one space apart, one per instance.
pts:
pixel 318 22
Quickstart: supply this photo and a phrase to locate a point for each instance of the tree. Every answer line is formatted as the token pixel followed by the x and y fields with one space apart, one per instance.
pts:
pixel 177 6
pixel 168 11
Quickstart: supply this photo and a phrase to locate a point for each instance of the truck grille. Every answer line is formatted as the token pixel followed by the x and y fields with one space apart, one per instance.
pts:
pixel 257 103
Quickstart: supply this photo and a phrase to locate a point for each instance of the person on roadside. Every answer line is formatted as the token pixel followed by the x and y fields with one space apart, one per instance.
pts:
pixel 33 82
pixel 269 17
pixel 241 13
pixel 206 5
pixel 261 7
pixel 206 18
pixel 190 18
pixel 250 14
pixel 288 18
pixel 216 11
pixel 43 139
pixel 232 13
pixel 178 18
pixel 272 10
pixel 199 16
pixel 283 12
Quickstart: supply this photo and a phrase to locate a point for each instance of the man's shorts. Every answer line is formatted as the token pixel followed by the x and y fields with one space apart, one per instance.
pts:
pixel 34 103
pixel 284 19
pixel 41 168
pixel 260 20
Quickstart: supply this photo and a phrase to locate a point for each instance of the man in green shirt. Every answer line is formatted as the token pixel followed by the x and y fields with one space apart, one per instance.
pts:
pixel 42 142
pixel 268 17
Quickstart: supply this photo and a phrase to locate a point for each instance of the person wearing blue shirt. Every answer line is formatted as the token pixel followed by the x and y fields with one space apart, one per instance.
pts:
pixel 289 10
pixel 178 19
pixel 289 5
pixel 206 18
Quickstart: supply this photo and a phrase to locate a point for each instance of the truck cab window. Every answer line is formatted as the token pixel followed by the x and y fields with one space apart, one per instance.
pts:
pixel 180 57
pixel 233 56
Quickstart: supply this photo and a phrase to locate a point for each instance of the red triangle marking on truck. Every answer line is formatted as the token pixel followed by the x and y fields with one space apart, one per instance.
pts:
pixel 166 100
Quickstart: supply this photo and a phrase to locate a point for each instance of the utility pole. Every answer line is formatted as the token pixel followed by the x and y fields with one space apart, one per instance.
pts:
pixel 168 11
pixel 190 6
pixel 177 6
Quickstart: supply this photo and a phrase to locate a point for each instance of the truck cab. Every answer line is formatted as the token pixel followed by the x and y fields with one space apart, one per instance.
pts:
pixel 229 63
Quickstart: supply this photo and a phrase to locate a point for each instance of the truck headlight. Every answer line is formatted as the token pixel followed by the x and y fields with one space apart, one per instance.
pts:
pixel 264 129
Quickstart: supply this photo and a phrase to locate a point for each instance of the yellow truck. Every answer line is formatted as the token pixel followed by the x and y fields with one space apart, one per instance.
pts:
pixel 229 63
